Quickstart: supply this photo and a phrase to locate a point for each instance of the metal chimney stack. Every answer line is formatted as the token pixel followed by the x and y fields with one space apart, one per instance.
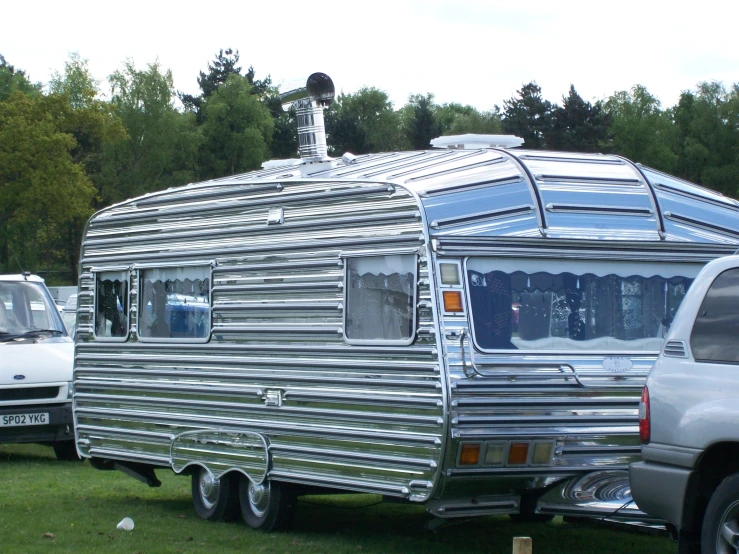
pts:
pixel 309 102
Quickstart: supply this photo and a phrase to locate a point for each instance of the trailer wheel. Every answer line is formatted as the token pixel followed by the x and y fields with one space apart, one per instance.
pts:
pixel 269 506
pixel 215 499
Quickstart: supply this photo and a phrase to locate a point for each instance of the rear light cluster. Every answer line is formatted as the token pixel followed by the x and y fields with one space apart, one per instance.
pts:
pixel 505 453
pixel 452 283
pixel 644 420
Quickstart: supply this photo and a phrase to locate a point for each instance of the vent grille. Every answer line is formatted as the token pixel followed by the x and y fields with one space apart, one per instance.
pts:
pixel 675 349
pixel 35 393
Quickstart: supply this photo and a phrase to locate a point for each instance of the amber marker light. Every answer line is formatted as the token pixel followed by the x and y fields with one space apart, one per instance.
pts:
pixel 469 454
pixel 453 301
pixel 518 453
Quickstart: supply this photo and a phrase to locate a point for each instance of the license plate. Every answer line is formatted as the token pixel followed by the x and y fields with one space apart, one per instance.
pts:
pixel 16 420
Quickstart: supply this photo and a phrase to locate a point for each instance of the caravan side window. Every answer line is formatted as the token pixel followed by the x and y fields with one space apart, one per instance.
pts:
pixel 381 299
pixel 574 305
pixel 175 304
pixel 111 305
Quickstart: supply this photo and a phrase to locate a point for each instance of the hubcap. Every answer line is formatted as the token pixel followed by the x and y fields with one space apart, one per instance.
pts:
pixel 210 488
pixel 259 498
pixel 727 540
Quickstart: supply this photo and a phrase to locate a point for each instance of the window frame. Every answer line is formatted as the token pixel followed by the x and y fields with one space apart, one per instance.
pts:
pixel 113 269
pixel 414 306
pixel 141 269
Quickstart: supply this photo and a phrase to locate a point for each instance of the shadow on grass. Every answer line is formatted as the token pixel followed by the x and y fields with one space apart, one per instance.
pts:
pixel 27 453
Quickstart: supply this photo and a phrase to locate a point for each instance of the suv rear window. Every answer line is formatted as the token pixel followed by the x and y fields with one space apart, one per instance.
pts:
pixel 715 331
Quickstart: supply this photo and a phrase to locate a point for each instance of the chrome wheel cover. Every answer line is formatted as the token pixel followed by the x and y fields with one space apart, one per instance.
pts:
pixel 727 534
pixel 209 488
pixel 259 497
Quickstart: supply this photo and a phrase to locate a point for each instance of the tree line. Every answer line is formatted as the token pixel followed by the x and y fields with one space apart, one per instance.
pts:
pixel 69 148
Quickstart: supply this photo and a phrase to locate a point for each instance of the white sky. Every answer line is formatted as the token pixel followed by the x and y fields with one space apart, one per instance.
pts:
pixel 469 51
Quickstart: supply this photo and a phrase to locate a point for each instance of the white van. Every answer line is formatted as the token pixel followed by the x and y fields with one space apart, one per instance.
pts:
pixel 36 355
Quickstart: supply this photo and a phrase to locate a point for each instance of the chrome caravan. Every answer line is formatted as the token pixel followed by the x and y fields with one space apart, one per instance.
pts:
pixel 467 327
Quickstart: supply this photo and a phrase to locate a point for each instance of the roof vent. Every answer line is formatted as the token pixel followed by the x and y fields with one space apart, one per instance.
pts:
pixel 309 101
pixel 473 142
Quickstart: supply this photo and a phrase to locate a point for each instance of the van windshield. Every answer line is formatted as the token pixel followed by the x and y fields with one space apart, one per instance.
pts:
pixel 577 305
pixel 26 308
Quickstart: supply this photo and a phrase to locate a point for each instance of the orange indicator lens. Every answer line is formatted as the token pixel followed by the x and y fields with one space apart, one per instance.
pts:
pixel 518 453
pixel 452 301
pixel 469 454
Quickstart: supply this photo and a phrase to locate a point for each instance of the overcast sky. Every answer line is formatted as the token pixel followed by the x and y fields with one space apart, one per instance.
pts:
pixel 467 51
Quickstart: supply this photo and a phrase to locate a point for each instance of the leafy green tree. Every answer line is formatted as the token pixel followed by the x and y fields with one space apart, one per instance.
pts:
pixel 237 129
pixel 641 130
pixel 528 116
pixel 12 80
pixel 162 144
pixel 421 125
pixel 578 125
pixel 285 136
pixel 80 111
pixel 224 65
pixel 456 119
pixel 284 142
pixel 364 122
pixel 44 194
pixel 707 125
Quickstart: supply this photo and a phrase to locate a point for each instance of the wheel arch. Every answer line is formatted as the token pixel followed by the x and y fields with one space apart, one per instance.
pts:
pixel 716 463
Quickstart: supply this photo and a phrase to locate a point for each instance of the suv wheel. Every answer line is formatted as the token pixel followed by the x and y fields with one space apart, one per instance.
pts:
pixel 720 533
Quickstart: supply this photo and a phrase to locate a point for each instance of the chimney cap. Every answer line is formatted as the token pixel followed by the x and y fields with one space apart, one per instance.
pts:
pixel 319 88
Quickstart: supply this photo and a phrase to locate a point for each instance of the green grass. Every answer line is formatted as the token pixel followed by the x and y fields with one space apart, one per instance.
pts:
pixel 81 506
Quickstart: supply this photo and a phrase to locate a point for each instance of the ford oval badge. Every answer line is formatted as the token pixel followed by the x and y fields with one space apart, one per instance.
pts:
pixel 19 377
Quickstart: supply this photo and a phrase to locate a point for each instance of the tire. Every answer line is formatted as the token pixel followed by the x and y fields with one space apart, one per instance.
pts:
pixel 722 512
pixel 215 499
pixel 267 507
pixel 66 451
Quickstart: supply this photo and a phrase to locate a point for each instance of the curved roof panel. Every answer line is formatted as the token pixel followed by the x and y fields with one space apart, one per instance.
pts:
pixel 525 193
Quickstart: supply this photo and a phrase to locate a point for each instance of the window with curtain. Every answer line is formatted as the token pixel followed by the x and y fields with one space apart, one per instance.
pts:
pixel 380 299
pixel 175 303
pixel 574 305
pixel 111 304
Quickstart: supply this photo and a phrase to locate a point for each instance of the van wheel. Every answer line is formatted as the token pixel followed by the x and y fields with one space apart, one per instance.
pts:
pixel 215 499
pixel 720 532
pixel 269 506
pixel 66 451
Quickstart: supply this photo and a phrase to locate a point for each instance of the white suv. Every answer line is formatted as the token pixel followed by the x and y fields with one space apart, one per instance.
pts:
pixel 36 357
pixel 689 418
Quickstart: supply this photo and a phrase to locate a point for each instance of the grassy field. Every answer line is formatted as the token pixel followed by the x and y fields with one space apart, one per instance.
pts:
pixel 50 506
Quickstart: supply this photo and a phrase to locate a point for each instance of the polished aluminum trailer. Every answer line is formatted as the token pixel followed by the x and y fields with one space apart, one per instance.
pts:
pixel 467 327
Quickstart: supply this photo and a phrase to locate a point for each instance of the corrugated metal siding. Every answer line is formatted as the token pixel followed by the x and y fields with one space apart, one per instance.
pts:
pixel 590 413
pixel 364 418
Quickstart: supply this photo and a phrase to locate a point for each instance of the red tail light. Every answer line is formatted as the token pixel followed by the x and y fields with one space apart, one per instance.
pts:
pixel 644 422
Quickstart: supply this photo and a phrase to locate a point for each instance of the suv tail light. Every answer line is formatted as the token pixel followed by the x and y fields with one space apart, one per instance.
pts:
pixel 644 421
